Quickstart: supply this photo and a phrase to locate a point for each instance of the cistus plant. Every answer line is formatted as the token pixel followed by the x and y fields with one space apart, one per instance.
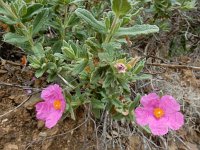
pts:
pixel 79 45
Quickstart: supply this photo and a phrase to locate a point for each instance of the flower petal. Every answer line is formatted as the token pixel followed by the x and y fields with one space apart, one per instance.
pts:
pixel 158 126
pixel 52 92
pixel 176 121
pixel 150 100
pixel 53 118
pixel 42 109
pixel 142 115
pixel 169 104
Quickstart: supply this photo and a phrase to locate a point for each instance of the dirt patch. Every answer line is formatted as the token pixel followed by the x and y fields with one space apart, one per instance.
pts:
pixel 20 129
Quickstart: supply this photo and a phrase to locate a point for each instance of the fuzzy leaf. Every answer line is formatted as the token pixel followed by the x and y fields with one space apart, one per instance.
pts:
pixel 142 77
pixel 40 20
pixel 137 30
pixel 40 72
pixel 33 10
pixel 79 67
pixel 14 38
pixel 89 19
pixel 138 67
pixel 38 50
pixel 121 7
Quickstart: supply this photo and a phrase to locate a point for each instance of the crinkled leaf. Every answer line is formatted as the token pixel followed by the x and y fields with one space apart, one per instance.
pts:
pixel 69 53
pixel 14 38
pixel 89 19
pixel 33 10
pixel 7 20
pixel 39 20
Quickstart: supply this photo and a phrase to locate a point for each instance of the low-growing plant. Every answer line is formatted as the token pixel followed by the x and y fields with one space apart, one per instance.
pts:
pixel 79 46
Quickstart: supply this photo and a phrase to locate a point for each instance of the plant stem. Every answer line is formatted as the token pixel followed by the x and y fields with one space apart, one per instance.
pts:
pixel 29 36
pixel 112 29
pixel 66 82
pixel 64 23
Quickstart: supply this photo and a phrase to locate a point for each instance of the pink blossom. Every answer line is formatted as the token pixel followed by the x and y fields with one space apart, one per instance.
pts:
pixel 160 114
pixel 51 109
pixel 121 68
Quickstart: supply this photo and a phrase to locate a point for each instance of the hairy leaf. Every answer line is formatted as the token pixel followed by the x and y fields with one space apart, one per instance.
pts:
pixel 121 7
pixel 14 38
pixel 40 20
pixel 137 30
pixel 89 19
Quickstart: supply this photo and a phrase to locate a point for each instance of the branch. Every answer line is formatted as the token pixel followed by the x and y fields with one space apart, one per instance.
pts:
pixel 174 66
pixel 65 81
pixel 19 86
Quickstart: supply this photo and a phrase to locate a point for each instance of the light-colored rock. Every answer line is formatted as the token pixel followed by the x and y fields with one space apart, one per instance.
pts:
pixel 43 134
pixel 10 146
pixel 40 124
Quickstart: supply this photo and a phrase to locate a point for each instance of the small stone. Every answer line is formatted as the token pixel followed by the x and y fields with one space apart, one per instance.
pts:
pixel 12 97
pixel 4 120
pixel 40 124
pixel 43 134
pixel 9 146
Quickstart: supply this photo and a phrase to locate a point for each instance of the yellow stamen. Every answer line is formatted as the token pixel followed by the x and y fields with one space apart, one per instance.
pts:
pixel 57 104
pixel 158 113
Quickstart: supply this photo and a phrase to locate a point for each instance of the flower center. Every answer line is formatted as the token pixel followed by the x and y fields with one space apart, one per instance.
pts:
pixel 158 113
pixel 57 104
pixel 121 67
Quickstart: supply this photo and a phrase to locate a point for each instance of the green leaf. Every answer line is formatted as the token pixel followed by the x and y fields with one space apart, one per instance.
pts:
pixel 97 73
pixel 105 57
pixel 68 52
pixel 96 112
pixel 97 104
pixel 142 77
pixel 124 84
pixel 38 50
pixel 108 80
pixel 138 67
pixel 79 67
pixel 121 7
pixel 89 19
pixel 52 66
pixel 34 62
pixel 7 20
pixel 73 19
pixel 40 72
pixel 116 102
pixel 4 11
pixel 23 10
pixel 33 10
pixel 137 30
pixel 135 103
pixel 39 21
pixel 14 38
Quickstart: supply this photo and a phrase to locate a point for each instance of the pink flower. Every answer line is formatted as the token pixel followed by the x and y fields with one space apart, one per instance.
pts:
pixel 161 114
pixel 121 68
pixel 53 106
